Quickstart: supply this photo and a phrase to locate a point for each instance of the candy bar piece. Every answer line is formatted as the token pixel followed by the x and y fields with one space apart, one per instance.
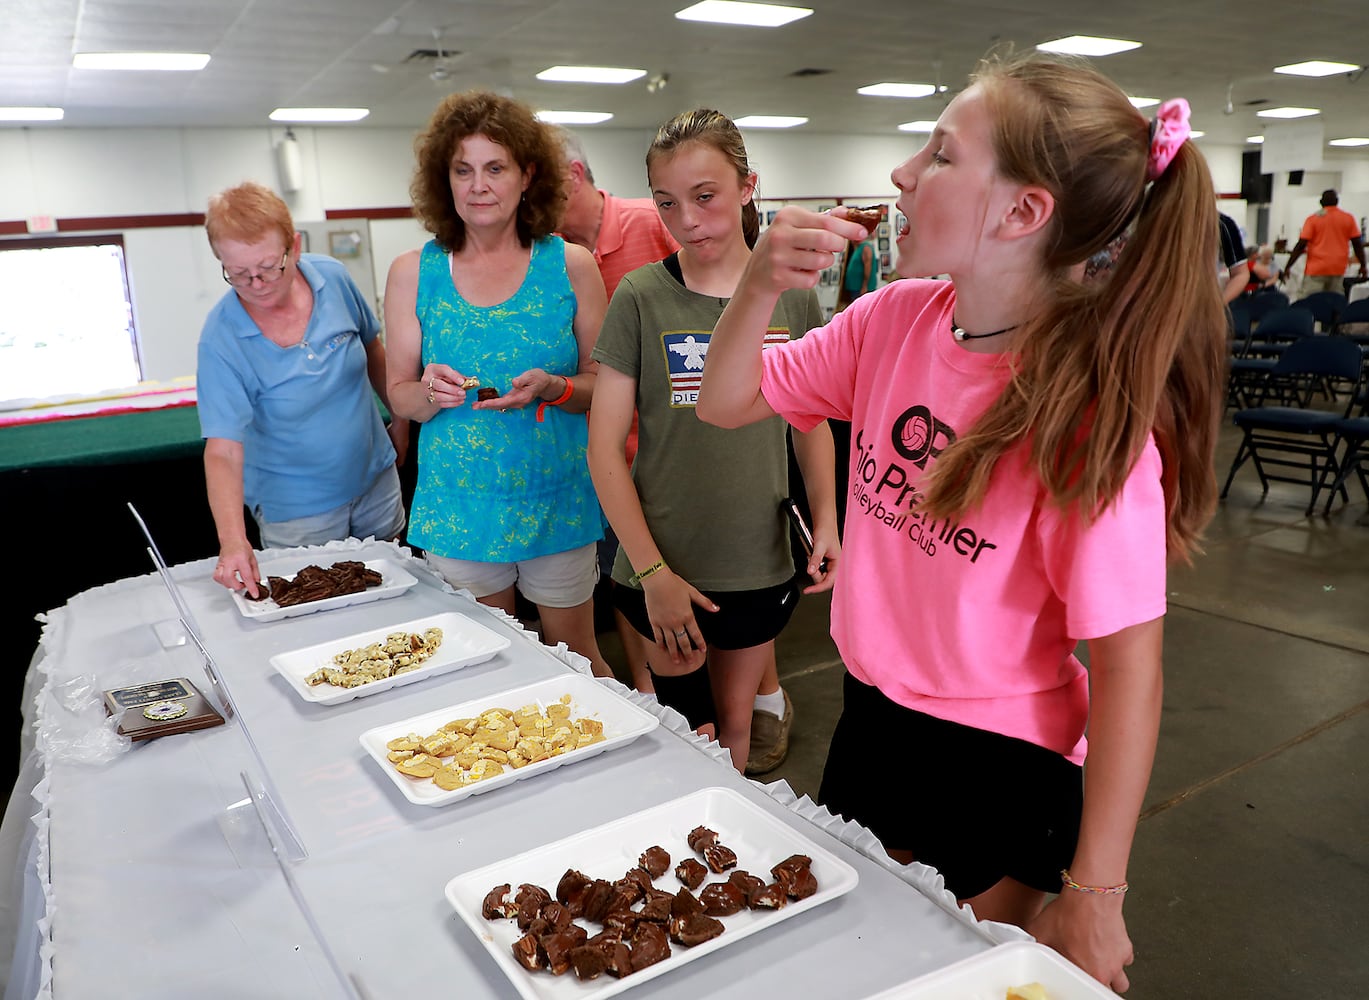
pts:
pixel 649 945
pixel 722 899
pixel 868 217
pixel 771 897
pixel 696 928
pixel 655 860
pixel 700 837
pixel 691 873
pixel 720 858
pixel 497 904
pixel 487 393
pixel 527 954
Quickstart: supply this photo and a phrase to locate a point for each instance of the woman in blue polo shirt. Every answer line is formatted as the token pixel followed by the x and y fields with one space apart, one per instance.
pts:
pixel 287 363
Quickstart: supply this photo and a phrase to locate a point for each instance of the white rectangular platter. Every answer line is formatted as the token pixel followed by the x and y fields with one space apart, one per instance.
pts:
pixel 394 580
pixel 623 722
pixel 464 642
pixel 990 974
pixel 759 840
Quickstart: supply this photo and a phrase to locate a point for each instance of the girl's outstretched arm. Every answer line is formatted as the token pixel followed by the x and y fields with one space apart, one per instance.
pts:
pixel 1125 688
pixel 792 253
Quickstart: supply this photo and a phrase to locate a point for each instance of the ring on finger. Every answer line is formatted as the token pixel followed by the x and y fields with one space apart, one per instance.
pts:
pixel 431 397
pixel 682 631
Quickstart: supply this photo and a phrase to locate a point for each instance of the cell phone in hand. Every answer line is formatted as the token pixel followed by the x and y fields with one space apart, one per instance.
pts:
pixel 791 510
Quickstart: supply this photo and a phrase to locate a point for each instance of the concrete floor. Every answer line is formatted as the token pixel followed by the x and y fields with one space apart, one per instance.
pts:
pixel 1250 872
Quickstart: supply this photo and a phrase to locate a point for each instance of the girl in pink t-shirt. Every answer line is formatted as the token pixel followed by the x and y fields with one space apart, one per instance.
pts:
pixel 1027 452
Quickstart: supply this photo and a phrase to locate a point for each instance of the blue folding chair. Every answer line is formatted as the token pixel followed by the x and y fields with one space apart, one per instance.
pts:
pixel 1324 307
pixel 1277 438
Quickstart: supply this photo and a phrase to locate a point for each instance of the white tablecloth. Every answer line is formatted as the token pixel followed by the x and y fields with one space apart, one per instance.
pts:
pixel 129 883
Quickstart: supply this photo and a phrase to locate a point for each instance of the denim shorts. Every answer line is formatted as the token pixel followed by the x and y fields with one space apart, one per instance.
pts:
pixel 377 513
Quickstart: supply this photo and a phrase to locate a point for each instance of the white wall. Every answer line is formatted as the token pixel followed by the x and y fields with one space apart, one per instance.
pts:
pixel 102 172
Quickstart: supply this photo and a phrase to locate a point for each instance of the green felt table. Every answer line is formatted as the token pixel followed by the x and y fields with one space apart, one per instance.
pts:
pixel 108 439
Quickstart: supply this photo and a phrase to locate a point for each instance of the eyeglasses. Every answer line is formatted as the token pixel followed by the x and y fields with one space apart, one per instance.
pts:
pixel 242 279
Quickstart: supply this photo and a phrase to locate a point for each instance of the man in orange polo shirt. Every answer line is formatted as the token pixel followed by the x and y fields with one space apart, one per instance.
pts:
pixel 1324 236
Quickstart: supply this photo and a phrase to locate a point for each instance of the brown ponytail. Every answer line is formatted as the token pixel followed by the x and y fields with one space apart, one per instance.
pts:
pixel 1109 363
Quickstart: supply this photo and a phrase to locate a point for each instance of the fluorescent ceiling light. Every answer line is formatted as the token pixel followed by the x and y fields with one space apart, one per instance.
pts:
pixel 1256 139
pixel 917 126
pixel 1287 112
pixel 769 121
pixel 171 61
pixel 31 114
pixel 319 114
pixel 590 74
pixel 573 117
pixel 1143 102
pixel 1354 141
pixel 1316 67
pixel 1197 133
pixel 755 15
pixel 1088 45
pixel 897 90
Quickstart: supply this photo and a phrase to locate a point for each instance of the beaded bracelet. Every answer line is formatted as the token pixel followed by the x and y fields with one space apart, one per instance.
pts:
pixel 1093 890
pixel 565 396
pixel 655 567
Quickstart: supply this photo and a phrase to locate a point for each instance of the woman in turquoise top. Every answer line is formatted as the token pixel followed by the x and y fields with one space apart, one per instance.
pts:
pixel 494 300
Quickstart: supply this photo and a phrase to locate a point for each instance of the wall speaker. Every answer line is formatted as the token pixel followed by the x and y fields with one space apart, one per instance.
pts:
pixel 289 163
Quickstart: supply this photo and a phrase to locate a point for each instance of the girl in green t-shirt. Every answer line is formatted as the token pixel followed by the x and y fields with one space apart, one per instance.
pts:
pixel 704 565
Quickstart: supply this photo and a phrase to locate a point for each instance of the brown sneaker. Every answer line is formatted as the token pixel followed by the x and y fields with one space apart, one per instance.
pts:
pixel 769 739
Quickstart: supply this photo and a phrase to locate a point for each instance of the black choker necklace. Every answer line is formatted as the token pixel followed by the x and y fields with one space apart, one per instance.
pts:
pixel 960 334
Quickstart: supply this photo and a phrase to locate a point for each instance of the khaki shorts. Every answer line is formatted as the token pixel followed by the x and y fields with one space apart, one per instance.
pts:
pixel 559 580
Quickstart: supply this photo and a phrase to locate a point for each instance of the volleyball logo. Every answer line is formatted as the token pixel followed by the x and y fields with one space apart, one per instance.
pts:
pixel 918 435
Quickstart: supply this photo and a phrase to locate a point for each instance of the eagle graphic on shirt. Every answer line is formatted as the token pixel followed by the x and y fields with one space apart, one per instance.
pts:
pixel 685 354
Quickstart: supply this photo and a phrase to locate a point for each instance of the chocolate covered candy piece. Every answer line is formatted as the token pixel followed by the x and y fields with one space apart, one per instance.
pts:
pixel 655 860
pixel 690 872
pixel 696 928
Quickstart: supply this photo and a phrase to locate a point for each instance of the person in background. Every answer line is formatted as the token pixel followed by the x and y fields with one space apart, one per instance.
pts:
pixel 1324 237
pixel 862 270
pixel 1031 451
pixel 287 363
pixel 1260 260
pixel 496 301
pixel 1233 273
pixel 705 563
pixel 623 234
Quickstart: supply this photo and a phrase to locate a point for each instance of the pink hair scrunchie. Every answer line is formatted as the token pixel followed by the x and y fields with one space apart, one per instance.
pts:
pixel 1168 132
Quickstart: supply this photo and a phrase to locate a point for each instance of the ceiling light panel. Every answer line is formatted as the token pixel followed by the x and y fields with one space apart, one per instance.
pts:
pixel 1350 141
pixel 1288 112
pixel 1088 45
pixel 1255 139
pixel 1143 102
pixel 590 74
pixel 753 15
pixel 573 117
pixel 319 114
pixel 769 121
pixel 31 114
pixel 157 61
pixel 921 126
pixel 1316 67
pixel 897 90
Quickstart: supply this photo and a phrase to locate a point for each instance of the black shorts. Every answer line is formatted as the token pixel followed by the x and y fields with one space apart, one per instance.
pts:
pixel 975 805
pixel 744 618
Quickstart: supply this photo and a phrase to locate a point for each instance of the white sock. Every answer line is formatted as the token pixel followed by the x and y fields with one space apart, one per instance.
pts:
pixel 772 703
